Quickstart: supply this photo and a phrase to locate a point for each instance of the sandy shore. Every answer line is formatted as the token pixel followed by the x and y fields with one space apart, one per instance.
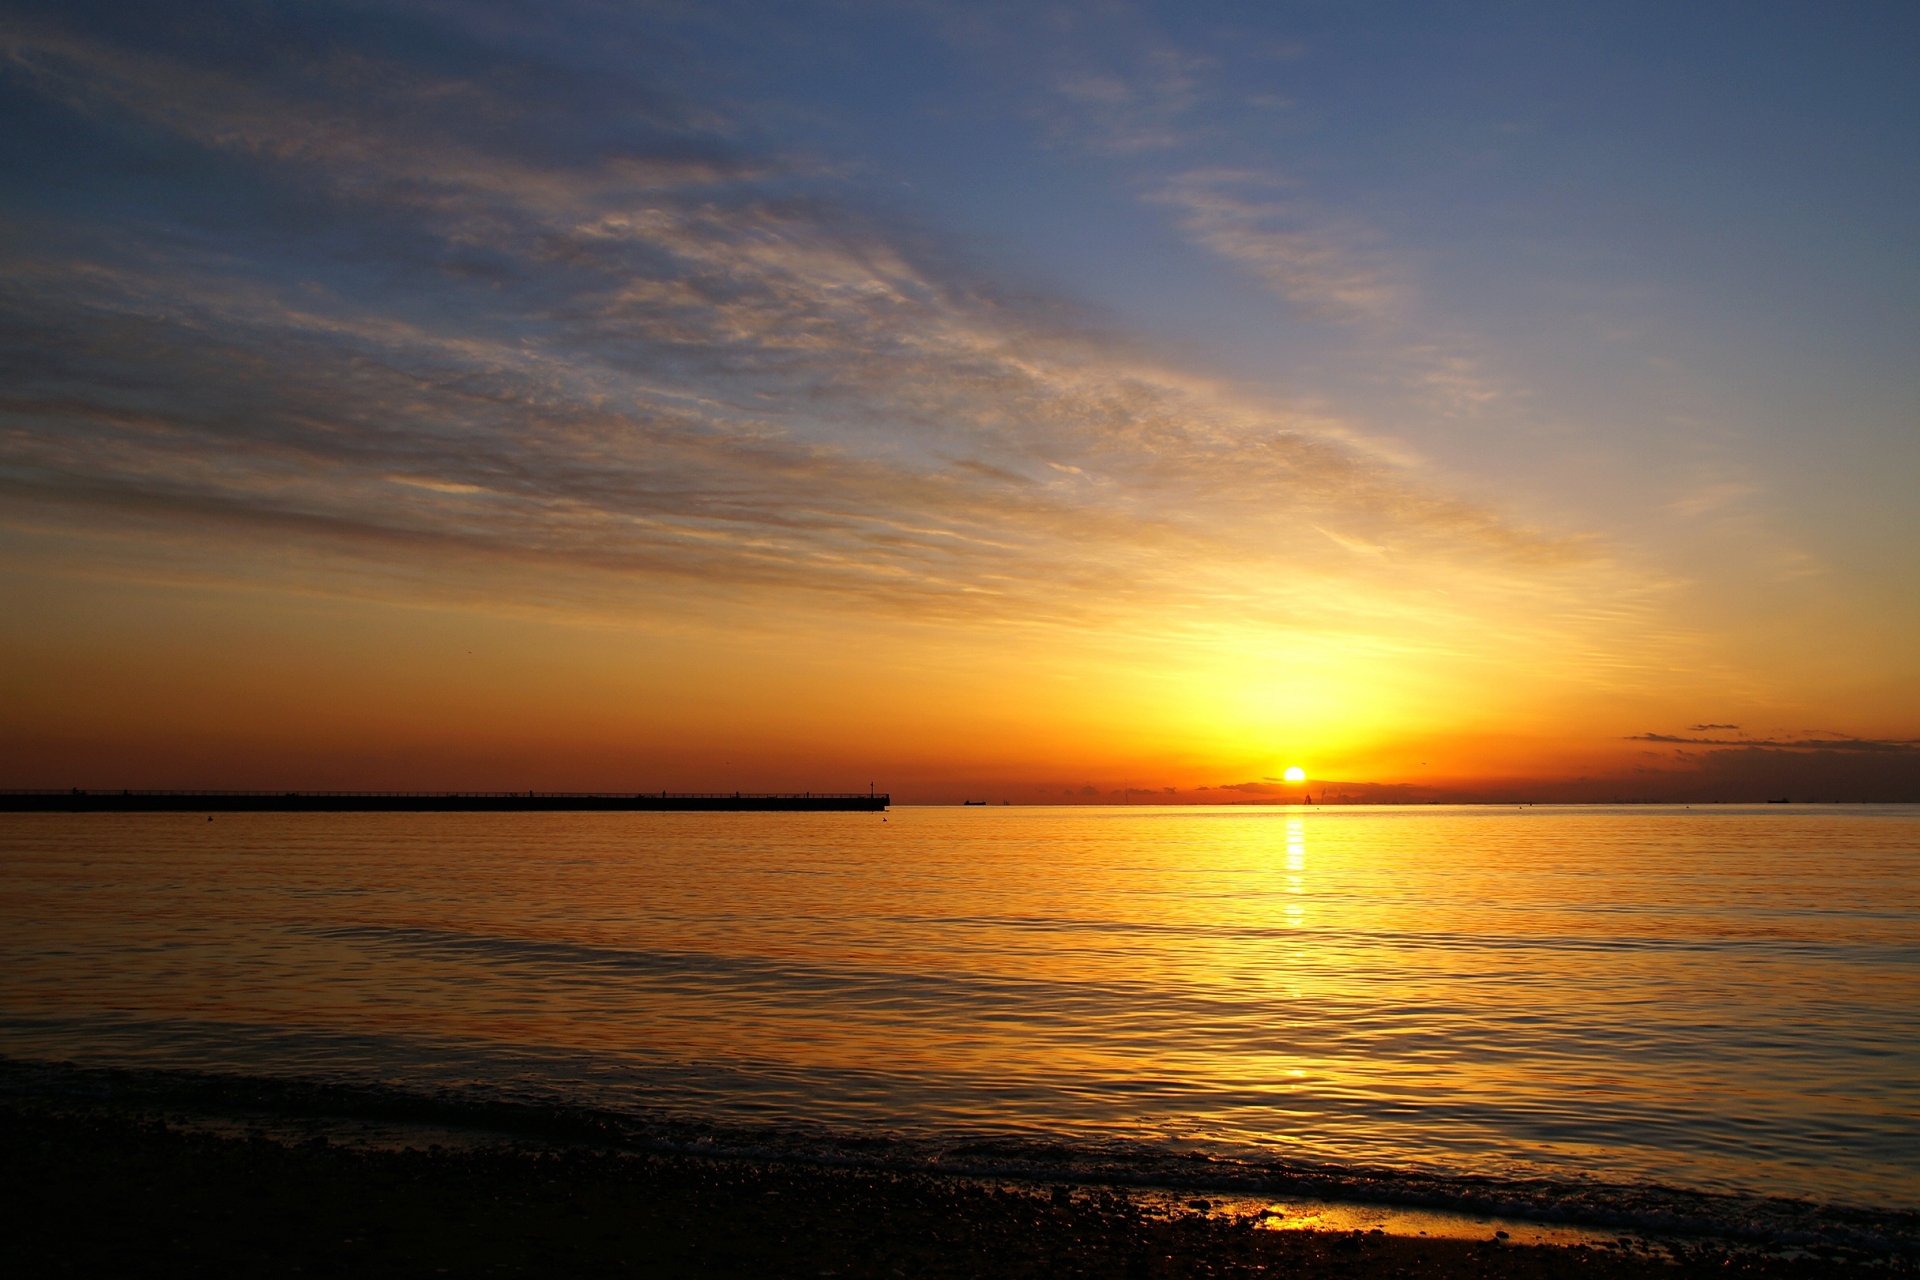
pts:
pixel 90 1187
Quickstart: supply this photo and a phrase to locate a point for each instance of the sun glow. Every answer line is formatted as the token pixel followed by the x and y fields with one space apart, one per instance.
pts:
pixel 1295 773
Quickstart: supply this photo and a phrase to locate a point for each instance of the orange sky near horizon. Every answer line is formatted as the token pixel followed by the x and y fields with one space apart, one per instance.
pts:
pixel 251 682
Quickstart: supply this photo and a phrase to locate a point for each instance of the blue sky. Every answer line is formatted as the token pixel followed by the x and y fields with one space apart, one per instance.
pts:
pixel 1373 339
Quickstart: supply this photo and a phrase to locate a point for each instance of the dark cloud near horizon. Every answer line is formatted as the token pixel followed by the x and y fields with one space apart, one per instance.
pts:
pixel 1897 746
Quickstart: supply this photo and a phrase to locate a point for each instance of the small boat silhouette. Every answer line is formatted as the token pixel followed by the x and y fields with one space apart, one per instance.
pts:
pixel 973 802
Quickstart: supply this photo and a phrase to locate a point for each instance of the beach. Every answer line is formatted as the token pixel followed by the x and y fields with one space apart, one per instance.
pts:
pixel 149 1179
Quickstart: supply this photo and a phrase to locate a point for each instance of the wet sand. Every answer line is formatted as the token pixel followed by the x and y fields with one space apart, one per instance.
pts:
pixel 90 1187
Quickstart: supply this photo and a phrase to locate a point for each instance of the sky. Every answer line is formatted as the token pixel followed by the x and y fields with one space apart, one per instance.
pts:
pixel 1061 403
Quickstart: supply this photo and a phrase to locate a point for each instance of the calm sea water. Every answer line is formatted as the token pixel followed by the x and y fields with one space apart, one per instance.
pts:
pixel 1720 998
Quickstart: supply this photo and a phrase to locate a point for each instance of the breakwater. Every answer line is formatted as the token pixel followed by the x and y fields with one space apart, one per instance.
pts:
pixel 75 800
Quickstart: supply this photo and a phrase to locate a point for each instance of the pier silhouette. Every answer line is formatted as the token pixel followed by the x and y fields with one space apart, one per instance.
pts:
pixel 77 800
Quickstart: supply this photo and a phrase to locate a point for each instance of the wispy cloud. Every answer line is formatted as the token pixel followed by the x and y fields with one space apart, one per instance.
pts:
pixel 1096 77
pixel 1712 498
pixel 1144 113
pixel 656 355
pixel 1103 79
pixel 1455 384
pixel 1318 268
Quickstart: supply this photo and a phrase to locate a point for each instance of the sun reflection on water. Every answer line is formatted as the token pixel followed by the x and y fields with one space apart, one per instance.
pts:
pixel 1296 912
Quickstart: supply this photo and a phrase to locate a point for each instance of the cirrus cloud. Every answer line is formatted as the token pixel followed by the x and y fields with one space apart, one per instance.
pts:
pixel 424 325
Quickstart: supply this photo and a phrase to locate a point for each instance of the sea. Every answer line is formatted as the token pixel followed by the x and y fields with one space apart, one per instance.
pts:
pixel 1663 1018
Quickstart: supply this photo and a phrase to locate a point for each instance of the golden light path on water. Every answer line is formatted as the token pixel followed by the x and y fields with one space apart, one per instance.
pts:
pixel 1720 998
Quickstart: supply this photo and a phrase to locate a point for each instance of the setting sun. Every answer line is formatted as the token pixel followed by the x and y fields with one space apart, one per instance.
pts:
pixel 1295 773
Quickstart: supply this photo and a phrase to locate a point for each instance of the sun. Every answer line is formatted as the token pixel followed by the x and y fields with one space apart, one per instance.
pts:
pixel 1295 773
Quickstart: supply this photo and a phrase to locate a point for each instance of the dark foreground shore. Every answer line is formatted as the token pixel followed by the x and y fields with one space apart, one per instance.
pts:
pixel 87 1188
